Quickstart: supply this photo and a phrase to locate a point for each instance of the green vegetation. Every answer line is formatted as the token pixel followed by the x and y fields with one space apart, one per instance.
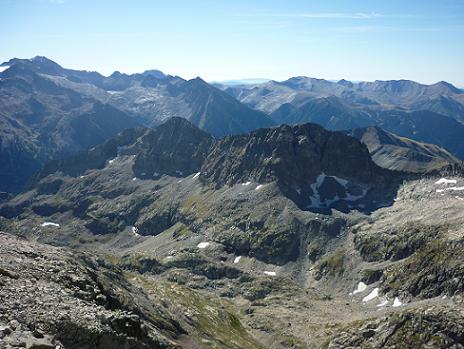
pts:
pixel 210 321
pixel 434 270
pixel 332 265
pixel 397 243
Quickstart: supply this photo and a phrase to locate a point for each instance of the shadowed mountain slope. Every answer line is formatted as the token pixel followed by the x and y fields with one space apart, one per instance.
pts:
pixel 400 153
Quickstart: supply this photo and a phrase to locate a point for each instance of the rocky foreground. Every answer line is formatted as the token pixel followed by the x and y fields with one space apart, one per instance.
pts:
pixel 53 298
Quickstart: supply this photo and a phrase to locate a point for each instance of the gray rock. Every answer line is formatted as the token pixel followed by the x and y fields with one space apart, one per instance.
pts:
pixel 39 343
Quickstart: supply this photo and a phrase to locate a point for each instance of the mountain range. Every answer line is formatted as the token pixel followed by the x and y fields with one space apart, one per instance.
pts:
pixel 49 112
pixel 284 237
pixel 441 97
pixel 426 113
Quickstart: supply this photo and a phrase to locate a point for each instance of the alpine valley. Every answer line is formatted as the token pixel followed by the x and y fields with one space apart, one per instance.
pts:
pixel 149 211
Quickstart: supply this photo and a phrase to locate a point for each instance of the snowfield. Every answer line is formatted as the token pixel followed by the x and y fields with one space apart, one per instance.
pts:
pixel 361 288
pixel 50 224
pixel 374 294
pixel 446 181
pixel 318 202
pixel 135 231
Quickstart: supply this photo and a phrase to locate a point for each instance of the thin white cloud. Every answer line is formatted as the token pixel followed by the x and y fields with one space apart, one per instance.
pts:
pixel 336 15
pixel 318 15
pixel 378 28
pixel 332 15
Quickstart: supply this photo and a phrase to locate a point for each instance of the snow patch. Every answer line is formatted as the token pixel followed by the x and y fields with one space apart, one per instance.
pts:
pixel 111 161
pixel 196 175
pixel 382 304
pixel 112 92
pixel 259 187
pixel 397 302
pixel 341 181
pixel 374 294
pixel 134 179
pixel 247 183
pixel 316 200
pixel 135 231
pixel 270 273
pixel 237 259
pixel 203 244
pixel 50 224
pixel 361 288
pixel 3 68
pixel 446 181
pixel 450 188
pixel 351 197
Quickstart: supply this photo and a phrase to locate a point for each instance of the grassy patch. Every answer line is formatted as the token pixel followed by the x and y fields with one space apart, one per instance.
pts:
pixel 332 265
pixel 209 320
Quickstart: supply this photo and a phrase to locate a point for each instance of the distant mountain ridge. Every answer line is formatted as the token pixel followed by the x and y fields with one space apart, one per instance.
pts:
pixel 40 120
pixel 427 113
pixel 399 93
pixel 49 112
pixel 150 97
pixel 402 154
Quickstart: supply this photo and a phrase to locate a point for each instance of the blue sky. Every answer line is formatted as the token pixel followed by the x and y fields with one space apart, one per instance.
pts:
pixel 420 40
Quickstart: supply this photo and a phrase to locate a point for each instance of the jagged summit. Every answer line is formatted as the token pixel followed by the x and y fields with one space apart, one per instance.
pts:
pixel 175 148
pixel 299 159
pixel 315 168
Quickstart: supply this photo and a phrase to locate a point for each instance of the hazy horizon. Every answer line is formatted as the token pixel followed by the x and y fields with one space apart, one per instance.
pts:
pixel 218 40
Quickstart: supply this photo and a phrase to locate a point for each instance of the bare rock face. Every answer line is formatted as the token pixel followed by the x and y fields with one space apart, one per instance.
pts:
pixel 52 298
pixel 424 328
pixel 314 167
pixel 176 148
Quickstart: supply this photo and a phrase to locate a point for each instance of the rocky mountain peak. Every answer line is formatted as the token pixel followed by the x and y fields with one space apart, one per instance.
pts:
pixel 176 148
pixel 446 87
pixel 345 83
pixel 299 82
pixel 399 153
pixel 303 160
pixel 154 73
pixel 38 64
